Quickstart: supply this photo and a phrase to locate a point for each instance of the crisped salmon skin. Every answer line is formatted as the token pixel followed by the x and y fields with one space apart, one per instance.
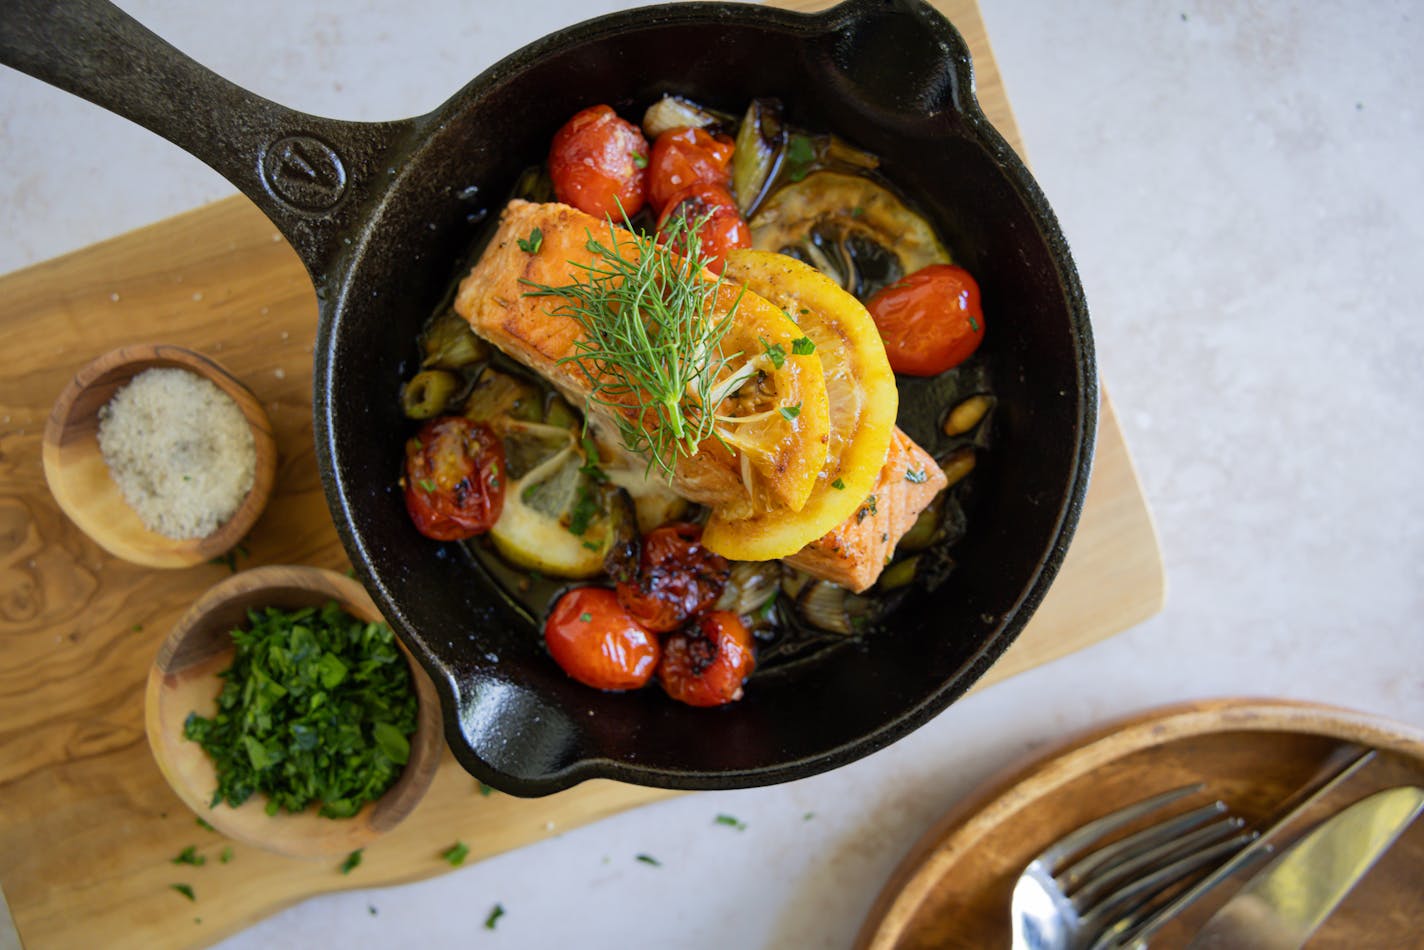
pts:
pixel 495 299
pixel 853 554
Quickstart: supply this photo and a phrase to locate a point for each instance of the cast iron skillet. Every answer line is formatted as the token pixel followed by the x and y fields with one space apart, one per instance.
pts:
pixel 380 212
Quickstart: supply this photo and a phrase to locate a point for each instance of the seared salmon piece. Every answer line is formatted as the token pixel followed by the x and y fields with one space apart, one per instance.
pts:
pixel 765 457
pixel 853 554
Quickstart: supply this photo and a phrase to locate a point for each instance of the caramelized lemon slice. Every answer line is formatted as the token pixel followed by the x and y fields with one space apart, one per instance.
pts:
pixel 862 403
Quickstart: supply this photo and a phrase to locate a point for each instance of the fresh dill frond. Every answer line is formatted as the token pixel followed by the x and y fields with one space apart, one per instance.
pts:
pixel 651 347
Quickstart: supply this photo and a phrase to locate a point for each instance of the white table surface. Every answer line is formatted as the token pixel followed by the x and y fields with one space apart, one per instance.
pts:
pixel 1243 187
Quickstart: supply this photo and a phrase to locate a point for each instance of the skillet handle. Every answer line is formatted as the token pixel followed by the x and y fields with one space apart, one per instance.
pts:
pixel 311 176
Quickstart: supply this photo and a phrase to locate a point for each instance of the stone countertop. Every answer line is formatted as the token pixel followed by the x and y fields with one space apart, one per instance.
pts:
pixel 1242 187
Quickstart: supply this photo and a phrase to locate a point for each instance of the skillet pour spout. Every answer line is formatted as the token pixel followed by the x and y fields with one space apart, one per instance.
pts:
pixel 381 213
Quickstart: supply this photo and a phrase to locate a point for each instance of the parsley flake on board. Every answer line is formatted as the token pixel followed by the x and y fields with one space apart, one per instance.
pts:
pixel 352 861
pixel 190 855
pixel 649 859
pixel 185 890
pixel 316 708
pixel 456 853
pixel 496 912
pixel 731 822
pixel 535 241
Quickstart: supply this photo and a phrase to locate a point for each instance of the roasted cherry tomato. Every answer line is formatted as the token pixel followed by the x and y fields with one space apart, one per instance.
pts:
pixel 706 663
pixel 686 157
pixel 454 478
pixel 598 164
pixel 930 320
pixel 723 229
pixel 598 643
pixel 677 578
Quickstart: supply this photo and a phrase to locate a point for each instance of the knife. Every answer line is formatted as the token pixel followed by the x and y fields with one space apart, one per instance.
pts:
pixel 1281 907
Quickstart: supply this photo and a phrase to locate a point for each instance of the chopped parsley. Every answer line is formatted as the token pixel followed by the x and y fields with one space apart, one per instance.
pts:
pixel 838 485
pixel 585 616
pixel 303 685
pixel 226 855
pixel 185 890
pixel 649 859
pixel 190 855
pixel 731 822
pixel 868 509
pixel 535 241
pixel 584 511
pixel 790 412
pixel 804 346
pixel 916 476
pixel 485 789
pixel 352 861
pixel 800 155
pixel 857 211
pixel 641 161
pixel 428 485
pixel 204 825
pixel 590 546
pixel 456 853
pixel 496 912
pixel 974 324
pixel 774 352
pixel 590 466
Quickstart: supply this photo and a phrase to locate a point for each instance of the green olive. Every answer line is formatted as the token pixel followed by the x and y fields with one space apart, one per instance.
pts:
pixel 427 395
pixel 449 343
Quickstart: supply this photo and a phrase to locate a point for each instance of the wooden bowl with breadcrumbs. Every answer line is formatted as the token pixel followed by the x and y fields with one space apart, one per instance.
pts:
pixel 160 455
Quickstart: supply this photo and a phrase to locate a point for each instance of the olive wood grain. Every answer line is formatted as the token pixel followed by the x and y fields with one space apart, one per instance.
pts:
pixel 953 889
pixel 184 679
pixel 79 478
pixel 88 825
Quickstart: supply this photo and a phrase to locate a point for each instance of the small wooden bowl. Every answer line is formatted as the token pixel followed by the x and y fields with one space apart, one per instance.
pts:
pixel 184 679
pixel 80 481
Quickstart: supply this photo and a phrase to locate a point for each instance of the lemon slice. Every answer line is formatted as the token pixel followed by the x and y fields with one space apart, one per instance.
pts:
pixel 862 402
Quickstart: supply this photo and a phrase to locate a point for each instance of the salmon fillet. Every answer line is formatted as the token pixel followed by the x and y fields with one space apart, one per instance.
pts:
pixel 495 299
pixel 853 554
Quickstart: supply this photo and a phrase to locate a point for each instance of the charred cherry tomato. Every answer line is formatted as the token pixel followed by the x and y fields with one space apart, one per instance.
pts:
pixel 598 162
pixel 930 320
pixel 723 229
pixel 686 157
pixel 706 663
pixel 454 478
pixel 677 577
pixel 595 641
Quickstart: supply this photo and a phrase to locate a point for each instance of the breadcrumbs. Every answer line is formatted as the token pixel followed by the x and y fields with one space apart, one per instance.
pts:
pixel 180 450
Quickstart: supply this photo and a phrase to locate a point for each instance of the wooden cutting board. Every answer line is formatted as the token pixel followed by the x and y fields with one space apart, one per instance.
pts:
pixel 88 828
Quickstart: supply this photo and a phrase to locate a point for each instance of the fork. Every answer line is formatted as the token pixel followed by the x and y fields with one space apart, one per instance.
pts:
pixel 1063 901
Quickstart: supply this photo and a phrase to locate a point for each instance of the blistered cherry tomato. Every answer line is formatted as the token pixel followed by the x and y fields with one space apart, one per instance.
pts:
pixel 685 157
pixel 598 643
pixel 454 478
pixel 931 320
pixel 723 229
pixel 706 663
pixel 677 578
pixel 598 164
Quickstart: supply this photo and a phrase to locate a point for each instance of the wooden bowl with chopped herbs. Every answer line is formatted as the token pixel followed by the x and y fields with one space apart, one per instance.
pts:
pixel 285 713
pixel 160 455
